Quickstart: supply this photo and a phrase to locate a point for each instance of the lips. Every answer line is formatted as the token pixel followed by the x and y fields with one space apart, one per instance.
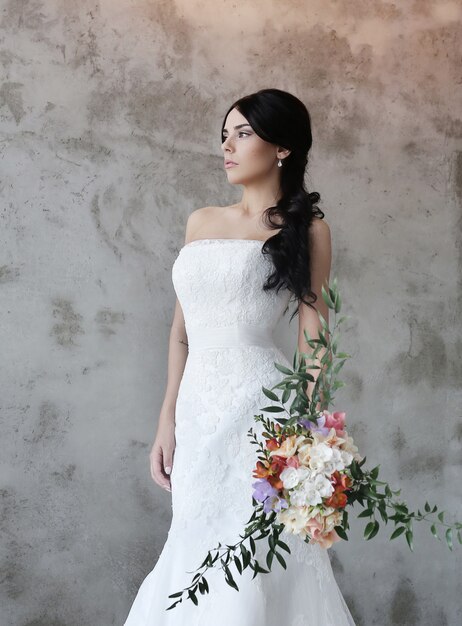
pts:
pixel 230 163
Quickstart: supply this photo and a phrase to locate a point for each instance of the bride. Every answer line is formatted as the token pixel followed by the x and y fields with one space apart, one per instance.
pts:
pixel 234 277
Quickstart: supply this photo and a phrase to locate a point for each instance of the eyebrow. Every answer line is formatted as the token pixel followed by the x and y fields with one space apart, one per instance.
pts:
pixel 238 126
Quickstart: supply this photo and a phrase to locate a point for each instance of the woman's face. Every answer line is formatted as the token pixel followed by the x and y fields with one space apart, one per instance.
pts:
pixel 255 158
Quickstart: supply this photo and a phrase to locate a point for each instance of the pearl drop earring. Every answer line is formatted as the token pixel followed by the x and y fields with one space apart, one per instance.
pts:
pixel 279 163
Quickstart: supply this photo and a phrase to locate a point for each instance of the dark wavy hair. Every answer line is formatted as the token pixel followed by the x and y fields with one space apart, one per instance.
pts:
pixel 282 119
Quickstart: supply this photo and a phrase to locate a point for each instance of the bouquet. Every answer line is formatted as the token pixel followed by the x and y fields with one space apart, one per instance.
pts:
pixel 309 471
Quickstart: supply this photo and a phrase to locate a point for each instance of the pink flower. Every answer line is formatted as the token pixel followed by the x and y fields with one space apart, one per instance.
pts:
pixel 335 420
pixel 293 461
pixel 325 541
pixel 315 528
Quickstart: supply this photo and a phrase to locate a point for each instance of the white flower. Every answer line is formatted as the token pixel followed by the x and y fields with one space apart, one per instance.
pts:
pixel 346 457
pixel 319 455
pixel 335 463
pixel 294 520
pixel 349 446
pixel 290 477
pixel 298 497
pixel 317 488
pixel 304 473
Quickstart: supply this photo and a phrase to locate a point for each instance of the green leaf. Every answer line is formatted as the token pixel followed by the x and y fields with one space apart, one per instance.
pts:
pixel 283 545
pixel 245 556
pixel 259 568
pixel 449 538
pixel 397 532
pixel 270 394
pixel 173 605
pixel 252 544
pixel 409 539
pixel 238 564
pixel 193 597
pixel 441 516
pixel 433 530
pixel 369 528
pixel 341 532
pixel 338 303
pixel 327 298
pixel 273 409
pixel 281 560
pixel 375 530
pixel 269 558
pixel 366 513
pixel 283 368
pixel 427 507
pixel 229 578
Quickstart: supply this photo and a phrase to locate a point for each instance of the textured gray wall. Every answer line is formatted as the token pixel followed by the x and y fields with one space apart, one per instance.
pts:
pixel 110 119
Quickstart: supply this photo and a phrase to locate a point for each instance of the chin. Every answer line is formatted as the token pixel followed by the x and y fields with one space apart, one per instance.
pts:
pixel 238 178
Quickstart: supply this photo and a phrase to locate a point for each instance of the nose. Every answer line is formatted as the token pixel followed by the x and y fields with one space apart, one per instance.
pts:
pixel 225 143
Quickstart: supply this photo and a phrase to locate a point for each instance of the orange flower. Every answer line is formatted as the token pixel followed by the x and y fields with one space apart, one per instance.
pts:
pixel 271 471
pixel 341 482
pixel 275 482
pixel 272 444
pixel 261 470
pixel 338 500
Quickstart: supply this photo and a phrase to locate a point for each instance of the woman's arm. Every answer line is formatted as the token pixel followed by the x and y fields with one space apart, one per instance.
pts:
pixel 321 258
pixel 177 356
pixel 163 448
pixel 178 343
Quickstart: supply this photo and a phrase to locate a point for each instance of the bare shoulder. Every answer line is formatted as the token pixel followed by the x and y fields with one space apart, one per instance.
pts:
pixel 320 228
pixel 196 220
pixel 320 240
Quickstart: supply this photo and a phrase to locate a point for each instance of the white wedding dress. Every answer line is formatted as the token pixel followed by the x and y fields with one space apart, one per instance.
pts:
pixel 229 321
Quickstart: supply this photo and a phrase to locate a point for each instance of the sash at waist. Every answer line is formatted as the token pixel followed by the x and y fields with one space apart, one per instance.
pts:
pixel 201 337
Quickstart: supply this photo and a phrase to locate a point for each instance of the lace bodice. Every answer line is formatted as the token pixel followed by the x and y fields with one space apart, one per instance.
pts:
pixel 215 292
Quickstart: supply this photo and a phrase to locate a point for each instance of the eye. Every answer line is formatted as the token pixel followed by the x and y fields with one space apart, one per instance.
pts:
pixel 241 132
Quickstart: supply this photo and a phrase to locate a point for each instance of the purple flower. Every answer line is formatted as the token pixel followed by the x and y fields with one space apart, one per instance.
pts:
pixel 263 489
pixel 274 503
pixel 266 493
pixel 319 428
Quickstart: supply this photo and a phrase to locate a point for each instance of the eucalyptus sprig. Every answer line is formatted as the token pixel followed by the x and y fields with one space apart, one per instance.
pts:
pixel 301 412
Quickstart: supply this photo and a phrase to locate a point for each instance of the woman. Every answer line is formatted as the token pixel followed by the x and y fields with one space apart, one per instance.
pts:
pixel 234 278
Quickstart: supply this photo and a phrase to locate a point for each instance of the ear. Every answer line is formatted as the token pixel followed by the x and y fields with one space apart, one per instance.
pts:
pixel 282 153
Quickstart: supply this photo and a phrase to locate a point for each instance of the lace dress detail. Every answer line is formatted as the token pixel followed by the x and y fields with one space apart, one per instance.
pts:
pixel 229 321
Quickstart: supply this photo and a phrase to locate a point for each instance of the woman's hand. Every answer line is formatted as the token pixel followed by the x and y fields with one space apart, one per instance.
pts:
pixel 162 452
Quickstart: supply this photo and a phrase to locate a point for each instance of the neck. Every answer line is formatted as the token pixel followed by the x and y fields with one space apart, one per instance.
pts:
pixel 256 199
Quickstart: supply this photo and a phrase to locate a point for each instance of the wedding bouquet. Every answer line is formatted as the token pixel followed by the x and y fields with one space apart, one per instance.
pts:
pixel 309 472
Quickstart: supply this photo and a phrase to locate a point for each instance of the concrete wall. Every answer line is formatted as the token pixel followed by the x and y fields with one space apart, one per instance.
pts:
pixel 110 117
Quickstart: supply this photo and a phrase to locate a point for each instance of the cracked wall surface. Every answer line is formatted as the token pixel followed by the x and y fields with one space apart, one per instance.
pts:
pixel 110 118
